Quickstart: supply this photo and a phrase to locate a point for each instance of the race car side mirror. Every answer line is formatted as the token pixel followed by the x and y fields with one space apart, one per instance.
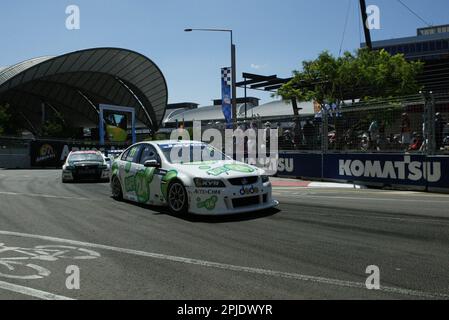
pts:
pixel 152 164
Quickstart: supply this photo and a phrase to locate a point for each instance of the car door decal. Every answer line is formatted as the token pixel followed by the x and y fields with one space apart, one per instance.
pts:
pixel 170 175
pixel 143 180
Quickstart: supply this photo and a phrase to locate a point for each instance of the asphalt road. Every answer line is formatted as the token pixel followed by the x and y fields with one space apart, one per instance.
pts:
pixel 316 245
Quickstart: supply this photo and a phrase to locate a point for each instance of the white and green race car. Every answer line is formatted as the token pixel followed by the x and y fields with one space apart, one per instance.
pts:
pixel 189 177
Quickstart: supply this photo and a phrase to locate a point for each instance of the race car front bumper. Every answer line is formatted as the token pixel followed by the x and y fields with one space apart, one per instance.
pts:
pixel 69 175
pixel 231 199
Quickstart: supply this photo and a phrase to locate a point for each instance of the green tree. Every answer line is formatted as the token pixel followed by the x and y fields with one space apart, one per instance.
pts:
pixel 10 122
pixel 57 127
pixel 362 75
pixel 53 129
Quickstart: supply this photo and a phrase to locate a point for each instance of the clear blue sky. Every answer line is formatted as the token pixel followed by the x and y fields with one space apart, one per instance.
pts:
pixel 272 36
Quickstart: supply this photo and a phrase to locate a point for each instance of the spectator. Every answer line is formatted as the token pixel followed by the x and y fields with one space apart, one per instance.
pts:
pixel 266 136
pixel 446 136
pixel 382 142
pixel 424 133
pixel 309 134
pixel 252 144
pixel 373 135
pixel 406 130
pixel 416 143
pixel 280 129
pixel 297 134
pixel 287 140
pixel 340 132
pixel 439 128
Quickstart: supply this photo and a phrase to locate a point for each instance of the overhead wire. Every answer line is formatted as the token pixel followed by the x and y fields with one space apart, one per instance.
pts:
pixel 345 27
pixel 414 13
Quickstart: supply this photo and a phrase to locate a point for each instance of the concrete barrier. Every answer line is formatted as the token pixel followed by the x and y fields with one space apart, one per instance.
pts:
pixel 15 161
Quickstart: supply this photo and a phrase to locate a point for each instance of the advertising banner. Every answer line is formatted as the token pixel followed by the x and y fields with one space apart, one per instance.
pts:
pixel 414 170
pixel 299 165
pixel 116 126
pixel 113 125
pixel 388 169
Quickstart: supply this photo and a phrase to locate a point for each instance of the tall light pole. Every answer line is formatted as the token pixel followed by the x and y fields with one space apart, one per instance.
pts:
pixel 368 41
pixel 233 69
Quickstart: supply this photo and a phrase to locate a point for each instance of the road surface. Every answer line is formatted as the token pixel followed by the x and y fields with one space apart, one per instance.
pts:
pixel 316 245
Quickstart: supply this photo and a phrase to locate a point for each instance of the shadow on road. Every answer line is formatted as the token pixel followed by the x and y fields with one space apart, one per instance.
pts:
pixel 87 182
pixel 156 210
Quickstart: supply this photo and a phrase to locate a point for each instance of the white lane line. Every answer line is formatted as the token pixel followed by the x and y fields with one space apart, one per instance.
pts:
pixel 370 199
pixel 335 185
pixel 31 292
pixel 361 216
pixel 362 192
pixel 229 267
pixel 37 195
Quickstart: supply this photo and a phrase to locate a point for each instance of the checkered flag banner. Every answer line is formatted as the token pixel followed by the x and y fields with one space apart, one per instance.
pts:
pixel 226 80
pixel 226 76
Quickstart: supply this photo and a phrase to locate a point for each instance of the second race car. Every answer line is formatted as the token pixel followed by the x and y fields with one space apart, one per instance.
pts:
pixel 85 165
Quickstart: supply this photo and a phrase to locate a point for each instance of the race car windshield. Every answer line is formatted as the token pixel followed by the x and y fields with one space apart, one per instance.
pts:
pixel 191 153
pixel 85 157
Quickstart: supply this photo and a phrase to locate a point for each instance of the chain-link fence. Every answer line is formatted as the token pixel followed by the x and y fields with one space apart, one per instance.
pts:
pixel 414 124
pixel 410 124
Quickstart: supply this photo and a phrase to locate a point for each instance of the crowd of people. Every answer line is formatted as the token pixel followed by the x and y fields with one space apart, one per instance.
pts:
pixel 406 139
pixel 416 141
pixel 291 136
pixel 306 134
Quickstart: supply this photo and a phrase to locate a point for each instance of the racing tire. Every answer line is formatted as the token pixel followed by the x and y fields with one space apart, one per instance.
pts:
pixel 116 187
pixel 177 200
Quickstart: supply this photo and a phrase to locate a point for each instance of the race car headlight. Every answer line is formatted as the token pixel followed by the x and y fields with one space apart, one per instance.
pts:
pixel 208 183
pixel 69 168
pixel 265 179
pixel 103 167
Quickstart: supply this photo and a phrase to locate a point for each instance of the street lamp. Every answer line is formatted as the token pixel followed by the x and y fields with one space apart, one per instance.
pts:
pixel 233 69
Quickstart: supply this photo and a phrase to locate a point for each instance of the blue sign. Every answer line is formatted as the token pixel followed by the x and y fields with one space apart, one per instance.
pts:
pixel 417 170
pixel 394 169
pixel 304 165
pixel 226 105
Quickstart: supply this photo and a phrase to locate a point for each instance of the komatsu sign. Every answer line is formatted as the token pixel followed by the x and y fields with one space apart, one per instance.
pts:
pixel 396 170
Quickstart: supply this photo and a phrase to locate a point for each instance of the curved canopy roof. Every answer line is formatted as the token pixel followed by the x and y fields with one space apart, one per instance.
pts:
pixel 74 84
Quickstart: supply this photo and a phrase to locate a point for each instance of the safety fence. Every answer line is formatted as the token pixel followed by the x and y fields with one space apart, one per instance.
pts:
pixel 417 124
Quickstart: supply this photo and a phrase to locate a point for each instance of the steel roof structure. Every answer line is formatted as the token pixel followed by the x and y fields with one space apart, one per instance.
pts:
pixel 74 84
pixel 260 82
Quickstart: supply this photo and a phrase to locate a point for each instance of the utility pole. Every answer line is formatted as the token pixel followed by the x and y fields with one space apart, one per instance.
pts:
pixel 234 86
pixel 368 41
